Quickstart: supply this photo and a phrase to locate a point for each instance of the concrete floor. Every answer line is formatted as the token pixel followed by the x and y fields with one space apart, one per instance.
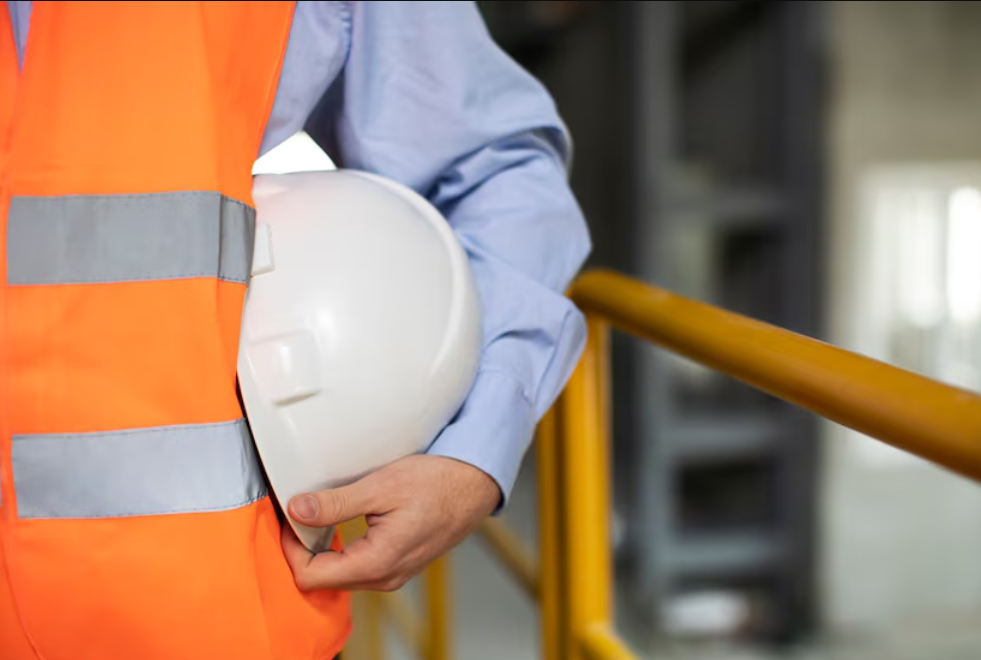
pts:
pixel 494 620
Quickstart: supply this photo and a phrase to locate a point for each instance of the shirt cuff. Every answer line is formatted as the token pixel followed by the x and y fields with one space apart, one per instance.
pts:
pixel 492 431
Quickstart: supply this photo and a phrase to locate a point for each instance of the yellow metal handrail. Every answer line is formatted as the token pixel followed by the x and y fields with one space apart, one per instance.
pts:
pixel 510 551
pixel 921 416
pixel 574 579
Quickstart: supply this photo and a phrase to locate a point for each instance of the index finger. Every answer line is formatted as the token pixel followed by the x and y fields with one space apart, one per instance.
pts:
pixel 362 564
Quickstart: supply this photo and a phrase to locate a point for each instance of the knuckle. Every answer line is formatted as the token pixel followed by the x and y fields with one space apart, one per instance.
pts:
pixel 379 573
pixel 392 583
pixel 304 582
pixel 335 504
pixel 391 559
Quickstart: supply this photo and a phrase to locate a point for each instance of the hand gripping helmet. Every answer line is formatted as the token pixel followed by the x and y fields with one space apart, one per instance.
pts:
pixel 361 330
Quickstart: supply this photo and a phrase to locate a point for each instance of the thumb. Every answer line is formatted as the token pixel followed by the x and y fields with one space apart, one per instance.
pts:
pixel 330 507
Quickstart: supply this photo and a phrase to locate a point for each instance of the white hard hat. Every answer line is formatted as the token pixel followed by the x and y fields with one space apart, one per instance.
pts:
pixel 361 331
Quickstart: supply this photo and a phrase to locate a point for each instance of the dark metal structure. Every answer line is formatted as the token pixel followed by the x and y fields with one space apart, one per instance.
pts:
pixel 698 144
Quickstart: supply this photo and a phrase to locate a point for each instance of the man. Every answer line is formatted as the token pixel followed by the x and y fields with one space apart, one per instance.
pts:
pixel 133 524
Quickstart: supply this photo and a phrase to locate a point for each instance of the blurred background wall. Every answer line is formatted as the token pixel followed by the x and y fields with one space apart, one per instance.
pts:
pixel 699 147
pixel 796 162
pixel 901 539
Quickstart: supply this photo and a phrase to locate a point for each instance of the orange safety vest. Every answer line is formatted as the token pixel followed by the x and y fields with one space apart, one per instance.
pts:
pixel 134 519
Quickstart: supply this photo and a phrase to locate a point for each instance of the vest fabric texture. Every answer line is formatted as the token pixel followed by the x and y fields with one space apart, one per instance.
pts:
pixel 134 517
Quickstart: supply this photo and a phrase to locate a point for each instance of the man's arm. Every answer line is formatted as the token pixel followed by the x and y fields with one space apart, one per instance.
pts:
pixel 426 98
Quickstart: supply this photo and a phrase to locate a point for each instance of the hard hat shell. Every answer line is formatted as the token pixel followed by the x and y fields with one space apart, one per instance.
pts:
pixel 360 333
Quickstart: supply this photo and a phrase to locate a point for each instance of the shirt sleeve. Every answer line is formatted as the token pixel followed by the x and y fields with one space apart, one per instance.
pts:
pixel 428 99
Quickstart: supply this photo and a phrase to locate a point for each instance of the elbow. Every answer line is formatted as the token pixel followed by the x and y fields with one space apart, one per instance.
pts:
pixel 583 243
pixel 580 241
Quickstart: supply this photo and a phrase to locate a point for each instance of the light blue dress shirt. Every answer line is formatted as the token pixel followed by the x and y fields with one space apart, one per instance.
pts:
pixel 418 92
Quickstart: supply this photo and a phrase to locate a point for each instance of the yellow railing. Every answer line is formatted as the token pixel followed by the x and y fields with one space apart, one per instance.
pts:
pixel 573 580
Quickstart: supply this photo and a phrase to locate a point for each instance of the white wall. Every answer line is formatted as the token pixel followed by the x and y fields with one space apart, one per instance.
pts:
pixel 901 540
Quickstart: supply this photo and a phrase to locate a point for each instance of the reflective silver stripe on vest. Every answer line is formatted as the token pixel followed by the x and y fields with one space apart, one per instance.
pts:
pixel 171 469
pixel 128 238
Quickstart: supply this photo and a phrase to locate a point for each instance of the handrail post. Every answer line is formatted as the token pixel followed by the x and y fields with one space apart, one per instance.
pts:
pixel 367 641
pixel 550 537
pixel 585 485
pixel 374 630
pixel 438 611
pixel 368 637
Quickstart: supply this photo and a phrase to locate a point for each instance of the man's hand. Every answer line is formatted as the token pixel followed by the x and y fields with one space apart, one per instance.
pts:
pixel 416 509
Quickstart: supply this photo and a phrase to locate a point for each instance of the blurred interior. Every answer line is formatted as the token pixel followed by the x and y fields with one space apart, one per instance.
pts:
pixel 817 166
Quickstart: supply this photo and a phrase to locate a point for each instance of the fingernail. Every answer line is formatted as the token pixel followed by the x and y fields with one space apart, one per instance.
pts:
pixel 305 507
